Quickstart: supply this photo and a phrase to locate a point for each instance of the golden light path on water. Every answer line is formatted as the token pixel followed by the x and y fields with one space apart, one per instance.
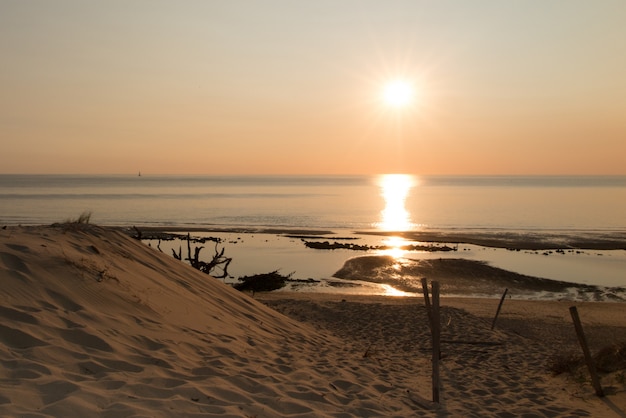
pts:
pixel 395 217
pixel 392 291
pixel 395 189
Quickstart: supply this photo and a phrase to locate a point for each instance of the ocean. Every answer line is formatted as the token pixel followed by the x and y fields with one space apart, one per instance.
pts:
pixel 320 202
pixel 344 205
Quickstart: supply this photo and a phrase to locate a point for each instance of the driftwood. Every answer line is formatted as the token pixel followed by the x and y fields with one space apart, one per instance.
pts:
pixel 217 261
pixel 262 282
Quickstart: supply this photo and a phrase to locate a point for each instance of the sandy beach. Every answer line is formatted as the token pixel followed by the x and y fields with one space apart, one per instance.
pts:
pixel 96 324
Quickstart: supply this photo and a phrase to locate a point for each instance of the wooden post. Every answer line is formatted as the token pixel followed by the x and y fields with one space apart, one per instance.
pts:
pixel 595 380
pixel 427 302
pixel 436 334
pixel 495 318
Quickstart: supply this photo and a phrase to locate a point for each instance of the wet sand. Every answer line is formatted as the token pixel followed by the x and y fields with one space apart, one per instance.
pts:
pixel 517 240
pixel 455 258
pixel 462 277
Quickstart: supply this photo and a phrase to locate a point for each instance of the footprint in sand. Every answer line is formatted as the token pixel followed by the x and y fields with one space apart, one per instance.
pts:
pixel 64 301
pixel 17 316
pixel 19 339
pixel 18 247
pixel 13 262
pixel 84 339
pixel 55 391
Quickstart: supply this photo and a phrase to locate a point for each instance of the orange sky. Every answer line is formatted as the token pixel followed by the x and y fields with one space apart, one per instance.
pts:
pixel 282 87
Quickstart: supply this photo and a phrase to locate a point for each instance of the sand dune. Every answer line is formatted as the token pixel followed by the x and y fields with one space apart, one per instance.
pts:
pixel 94 323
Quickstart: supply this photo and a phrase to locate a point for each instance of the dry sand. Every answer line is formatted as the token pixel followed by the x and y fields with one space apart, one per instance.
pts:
pixel 95 323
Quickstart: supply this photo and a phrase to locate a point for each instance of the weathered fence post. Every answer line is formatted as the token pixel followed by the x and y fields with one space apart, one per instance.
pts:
pixel 436 334
pixel 427 302
pixel 595 380
pixel 495 318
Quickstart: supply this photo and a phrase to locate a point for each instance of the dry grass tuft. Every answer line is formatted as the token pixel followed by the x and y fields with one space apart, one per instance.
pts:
pixel 565 363
pixel 83 219
pixel 608 360
pixel 611 358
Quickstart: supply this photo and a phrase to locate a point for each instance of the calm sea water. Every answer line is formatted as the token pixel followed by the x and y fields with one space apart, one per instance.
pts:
pixel 342 204
pixel 339 202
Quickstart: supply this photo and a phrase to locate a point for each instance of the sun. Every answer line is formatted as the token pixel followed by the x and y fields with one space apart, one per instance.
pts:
pixel 398 93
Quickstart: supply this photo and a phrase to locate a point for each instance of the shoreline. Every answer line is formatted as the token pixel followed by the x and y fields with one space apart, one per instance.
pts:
pixel 507 239
pixel 458 261
pixel 472 278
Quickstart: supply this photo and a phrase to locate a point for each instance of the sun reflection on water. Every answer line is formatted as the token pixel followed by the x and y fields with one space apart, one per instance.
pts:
pixel 392 291
pixel 395 247
pixel 395 190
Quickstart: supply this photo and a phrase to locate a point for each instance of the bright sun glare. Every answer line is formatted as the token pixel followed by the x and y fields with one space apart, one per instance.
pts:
pixel 398 93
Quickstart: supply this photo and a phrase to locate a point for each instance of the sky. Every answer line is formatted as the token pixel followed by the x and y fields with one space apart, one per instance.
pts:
pixel 296 87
